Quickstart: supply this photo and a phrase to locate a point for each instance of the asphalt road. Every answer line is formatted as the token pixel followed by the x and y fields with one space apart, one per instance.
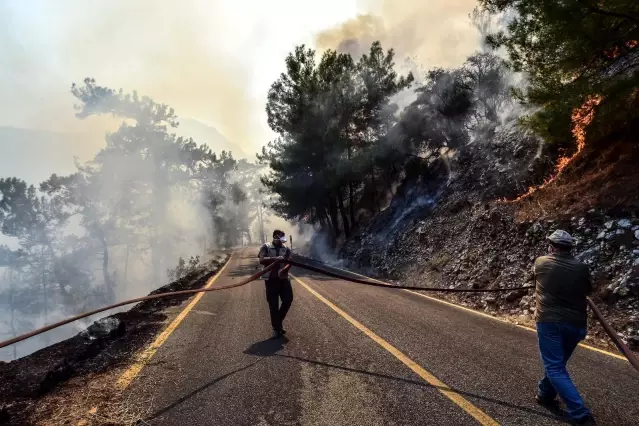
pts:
pixel 357 355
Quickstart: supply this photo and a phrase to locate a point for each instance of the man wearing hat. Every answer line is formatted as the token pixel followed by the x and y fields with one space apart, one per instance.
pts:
pixel 561 286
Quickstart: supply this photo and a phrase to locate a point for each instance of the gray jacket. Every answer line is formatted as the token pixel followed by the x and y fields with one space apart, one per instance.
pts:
pixel 271 250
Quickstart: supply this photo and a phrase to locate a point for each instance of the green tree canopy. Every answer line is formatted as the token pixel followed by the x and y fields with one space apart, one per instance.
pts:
pixel 328 115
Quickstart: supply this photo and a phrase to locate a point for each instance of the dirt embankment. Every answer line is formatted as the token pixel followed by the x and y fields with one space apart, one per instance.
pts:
pixel 108 343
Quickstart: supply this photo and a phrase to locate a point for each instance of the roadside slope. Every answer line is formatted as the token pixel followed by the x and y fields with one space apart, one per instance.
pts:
pixel 34 386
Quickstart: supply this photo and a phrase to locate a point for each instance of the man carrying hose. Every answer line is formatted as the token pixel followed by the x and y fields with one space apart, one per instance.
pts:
pixel 561 286
pixel 278 285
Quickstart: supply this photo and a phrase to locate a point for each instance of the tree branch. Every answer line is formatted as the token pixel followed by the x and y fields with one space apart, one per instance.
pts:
pixel 608 13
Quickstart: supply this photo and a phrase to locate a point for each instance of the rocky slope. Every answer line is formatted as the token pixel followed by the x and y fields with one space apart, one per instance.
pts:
pixel 487 248
pixel 467 236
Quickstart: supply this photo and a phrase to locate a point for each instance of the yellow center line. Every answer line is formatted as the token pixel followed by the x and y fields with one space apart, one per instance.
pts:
pixel 467 406
pixel 454 305
pixel 143 358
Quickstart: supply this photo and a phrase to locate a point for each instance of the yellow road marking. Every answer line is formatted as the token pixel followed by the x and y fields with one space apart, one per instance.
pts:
pixel 479 415
pixel 454 305
pixel 143 358
pixel 583 345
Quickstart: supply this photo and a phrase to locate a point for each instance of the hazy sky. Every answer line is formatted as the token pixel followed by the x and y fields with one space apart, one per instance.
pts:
pixel 211 60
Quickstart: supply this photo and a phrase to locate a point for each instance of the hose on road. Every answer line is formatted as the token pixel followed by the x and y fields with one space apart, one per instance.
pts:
pixel 609 330
pixel 623 348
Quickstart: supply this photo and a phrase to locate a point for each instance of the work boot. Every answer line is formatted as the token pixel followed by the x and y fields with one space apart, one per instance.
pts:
pixel 547 402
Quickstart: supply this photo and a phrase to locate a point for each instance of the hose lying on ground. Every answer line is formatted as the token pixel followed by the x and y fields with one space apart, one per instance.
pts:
pixel 609 330
pixel 403 287
pixel 131 301
pixel 623 348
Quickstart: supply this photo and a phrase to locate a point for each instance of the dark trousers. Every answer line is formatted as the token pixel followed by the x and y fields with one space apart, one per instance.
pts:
pixel 277 289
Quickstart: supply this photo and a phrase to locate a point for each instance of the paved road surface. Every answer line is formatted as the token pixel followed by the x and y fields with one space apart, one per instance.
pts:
pixel 371 356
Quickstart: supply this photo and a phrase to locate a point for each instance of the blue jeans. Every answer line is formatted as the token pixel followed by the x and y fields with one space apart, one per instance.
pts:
pixel 557 341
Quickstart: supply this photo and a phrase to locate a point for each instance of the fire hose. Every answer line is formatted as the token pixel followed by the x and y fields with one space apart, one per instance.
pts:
pixel 623 348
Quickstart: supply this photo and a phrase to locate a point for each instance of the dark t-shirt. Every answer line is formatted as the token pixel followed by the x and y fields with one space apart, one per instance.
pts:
pixel 561 286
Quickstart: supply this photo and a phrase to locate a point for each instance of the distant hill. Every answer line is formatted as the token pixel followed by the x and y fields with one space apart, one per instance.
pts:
pixel 203 133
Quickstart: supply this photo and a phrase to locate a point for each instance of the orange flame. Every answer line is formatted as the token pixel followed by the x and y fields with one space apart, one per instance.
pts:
pixel 581 119
pixel 615 51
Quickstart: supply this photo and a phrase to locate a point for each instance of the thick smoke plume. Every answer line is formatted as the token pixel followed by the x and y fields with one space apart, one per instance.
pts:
pixel 111 222
pixel 433 33
pixel 116 228
pixel 458 111
pixel 172 52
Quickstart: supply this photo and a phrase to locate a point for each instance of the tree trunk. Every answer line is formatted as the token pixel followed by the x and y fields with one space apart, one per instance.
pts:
pixel 108 282
pixel 332 209
pixel 375 205
pixel 351 203
pixel 323 222
pixel 260 218
pixel 351 196
pixel 13 311
pixel 45 291
pixel 160 197
pixel 344 214
pixel 389 184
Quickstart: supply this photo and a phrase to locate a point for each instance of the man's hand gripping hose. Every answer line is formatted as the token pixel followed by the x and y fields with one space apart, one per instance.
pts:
pixel 609 330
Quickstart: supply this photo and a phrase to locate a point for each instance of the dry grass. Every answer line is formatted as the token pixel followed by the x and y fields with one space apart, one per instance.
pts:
pixel 89 401
pixel 607 179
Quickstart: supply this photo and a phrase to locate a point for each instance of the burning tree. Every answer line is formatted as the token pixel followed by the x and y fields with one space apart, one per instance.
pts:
pixel 572 51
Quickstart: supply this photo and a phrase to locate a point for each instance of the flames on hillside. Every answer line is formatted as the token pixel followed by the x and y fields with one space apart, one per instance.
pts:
pixel 581 119
pixel 614 52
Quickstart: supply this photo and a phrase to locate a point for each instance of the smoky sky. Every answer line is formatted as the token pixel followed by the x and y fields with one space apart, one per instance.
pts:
pixel 165 52
pixel 431 33
pixel 211 60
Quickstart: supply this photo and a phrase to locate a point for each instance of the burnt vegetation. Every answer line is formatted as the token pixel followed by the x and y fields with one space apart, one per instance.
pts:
pixel 344 139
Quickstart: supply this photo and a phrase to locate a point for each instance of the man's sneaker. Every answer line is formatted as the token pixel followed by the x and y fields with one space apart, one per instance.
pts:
pixel 282 331
pixel 276 334
pixel 587 421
